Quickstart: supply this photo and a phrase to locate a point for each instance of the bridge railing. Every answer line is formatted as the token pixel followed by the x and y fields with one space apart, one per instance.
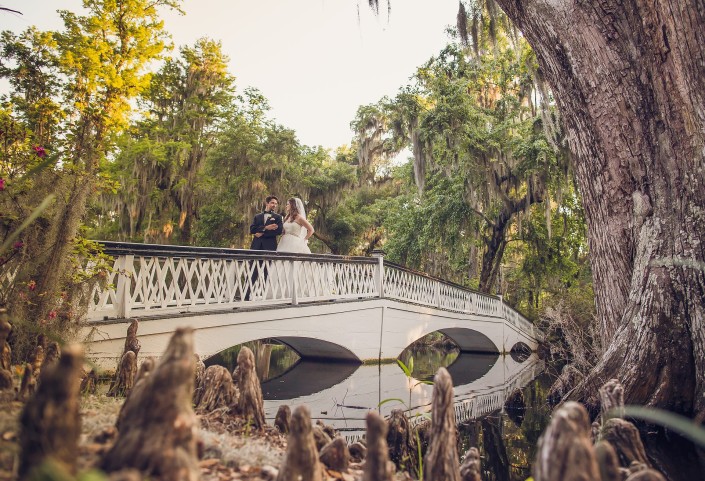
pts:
pixel 408 285
pixel 152 279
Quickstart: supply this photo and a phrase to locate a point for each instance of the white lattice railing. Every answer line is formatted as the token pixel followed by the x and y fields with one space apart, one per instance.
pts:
pixel 157 279
pixel 407 285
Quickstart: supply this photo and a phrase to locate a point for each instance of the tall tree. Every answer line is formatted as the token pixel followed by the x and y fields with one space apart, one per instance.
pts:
pixel 101 57
pixel 476 134
pixel 161 160
pixel 630 83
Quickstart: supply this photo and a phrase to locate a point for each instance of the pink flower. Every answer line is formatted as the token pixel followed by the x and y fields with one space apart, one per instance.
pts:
pixel 18 245
pixel 2 183
pixel 31 285
pixel 39 150
pixel 52 315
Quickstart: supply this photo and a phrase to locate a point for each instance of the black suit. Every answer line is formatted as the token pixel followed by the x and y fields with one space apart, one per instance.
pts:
pixel 266 242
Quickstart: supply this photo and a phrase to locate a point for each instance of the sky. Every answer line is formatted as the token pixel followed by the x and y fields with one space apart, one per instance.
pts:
pixel 316 61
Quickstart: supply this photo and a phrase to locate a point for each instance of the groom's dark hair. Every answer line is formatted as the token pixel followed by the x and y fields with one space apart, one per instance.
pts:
pixel 268 199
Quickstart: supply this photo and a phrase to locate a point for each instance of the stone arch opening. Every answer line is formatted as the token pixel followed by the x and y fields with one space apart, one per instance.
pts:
pixel 469 340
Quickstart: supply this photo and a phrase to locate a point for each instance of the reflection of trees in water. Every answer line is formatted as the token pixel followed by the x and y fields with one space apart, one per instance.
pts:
pixel 508 449
pixel 497 460
pixel 430 353
pixel 271 358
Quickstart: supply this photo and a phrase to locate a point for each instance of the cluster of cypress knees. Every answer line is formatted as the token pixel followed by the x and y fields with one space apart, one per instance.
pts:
pixel 157 429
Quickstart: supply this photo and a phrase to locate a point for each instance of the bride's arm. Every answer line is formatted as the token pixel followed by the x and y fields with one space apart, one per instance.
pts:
pixel 305 224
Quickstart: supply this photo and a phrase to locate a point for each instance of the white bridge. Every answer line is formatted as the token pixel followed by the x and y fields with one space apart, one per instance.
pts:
pixel 322 306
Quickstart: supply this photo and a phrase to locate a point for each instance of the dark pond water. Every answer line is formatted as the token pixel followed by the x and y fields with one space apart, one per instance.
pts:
pixel 341 394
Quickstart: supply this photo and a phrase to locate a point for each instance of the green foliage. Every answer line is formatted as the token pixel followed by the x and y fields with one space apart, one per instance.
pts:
pixel 70 94
pixel 180 155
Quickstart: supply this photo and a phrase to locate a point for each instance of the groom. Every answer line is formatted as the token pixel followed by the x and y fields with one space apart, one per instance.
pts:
pixel 265 228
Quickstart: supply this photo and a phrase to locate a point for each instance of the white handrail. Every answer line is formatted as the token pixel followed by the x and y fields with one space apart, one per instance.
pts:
pixel 407 285
pixel 158 279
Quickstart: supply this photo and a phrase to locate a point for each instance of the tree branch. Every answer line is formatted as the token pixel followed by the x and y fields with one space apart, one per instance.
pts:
pixel 11 10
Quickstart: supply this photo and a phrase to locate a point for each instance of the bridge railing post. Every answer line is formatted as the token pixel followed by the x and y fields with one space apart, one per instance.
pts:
pixel 126 270
pixel 379 272
pixel 293 282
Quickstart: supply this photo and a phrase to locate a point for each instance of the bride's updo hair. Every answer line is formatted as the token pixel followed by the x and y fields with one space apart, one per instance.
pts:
pixel 293 210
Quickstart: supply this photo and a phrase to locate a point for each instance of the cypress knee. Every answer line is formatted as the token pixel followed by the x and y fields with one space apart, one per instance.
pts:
pixel 51 419
pixel 217 391
pixel 335 455
pixel 565 452
pixel 471 468
pixel 403 450
pixel 441 462
pixel 378 466
pixel 301 462
pixel 251 404
pixel 624 438
pixel 125 376
pixel 283 419
pixel 158 428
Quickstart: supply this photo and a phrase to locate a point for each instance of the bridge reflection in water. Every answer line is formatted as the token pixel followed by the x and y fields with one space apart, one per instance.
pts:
pixel 341 394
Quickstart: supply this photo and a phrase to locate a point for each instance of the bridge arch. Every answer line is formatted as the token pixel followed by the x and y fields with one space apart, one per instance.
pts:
pixel 471 340
pixel 308 348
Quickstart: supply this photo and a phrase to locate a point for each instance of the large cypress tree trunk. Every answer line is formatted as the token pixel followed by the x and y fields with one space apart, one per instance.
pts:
pixel 629 79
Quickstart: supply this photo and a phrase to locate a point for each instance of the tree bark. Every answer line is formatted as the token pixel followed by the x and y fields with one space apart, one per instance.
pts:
pixel 5 352
pixel 250 404
pixel 283 419
pixel 125 376
pixel 403 450
pixel 51 420
pixel 471 468
pixel 629 80
pixel 378 466
pixel 158 428
pixel 218 391
pixel 565 452
pixel 441 460
pixel 335 455
pixel 301 455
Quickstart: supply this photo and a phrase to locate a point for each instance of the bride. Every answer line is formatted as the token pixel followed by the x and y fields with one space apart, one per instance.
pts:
pixel 297 229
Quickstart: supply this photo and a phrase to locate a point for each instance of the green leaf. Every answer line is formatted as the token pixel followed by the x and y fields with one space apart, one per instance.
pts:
pixel 385 401
pixel 674 422
pixel 403 367
pixel 422 382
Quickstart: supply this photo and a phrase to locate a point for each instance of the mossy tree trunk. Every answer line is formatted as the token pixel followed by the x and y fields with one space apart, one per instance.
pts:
pixel 629 79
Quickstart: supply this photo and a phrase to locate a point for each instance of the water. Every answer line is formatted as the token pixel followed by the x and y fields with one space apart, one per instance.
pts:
pixel 341 394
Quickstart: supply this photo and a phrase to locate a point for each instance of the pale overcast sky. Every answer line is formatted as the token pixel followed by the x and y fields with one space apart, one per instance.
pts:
pixel 315 60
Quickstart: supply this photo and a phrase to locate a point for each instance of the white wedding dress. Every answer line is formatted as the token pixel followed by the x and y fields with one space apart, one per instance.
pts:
pixel 294 239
